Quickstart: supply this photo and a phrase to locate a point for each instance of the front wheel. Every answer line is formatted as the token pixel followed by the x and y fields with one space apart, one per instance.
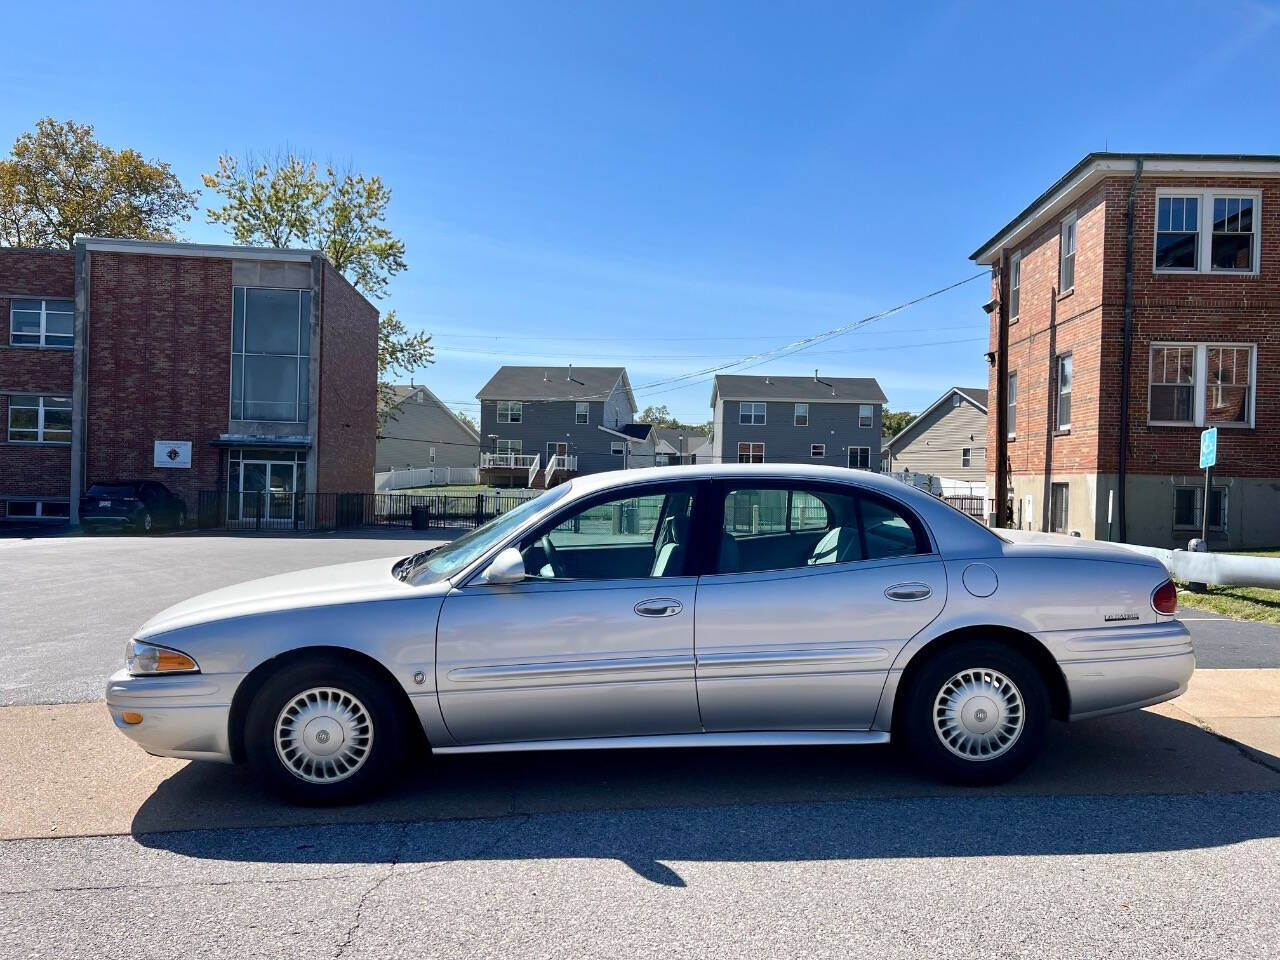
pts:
pixel 324 732
pixel 977 713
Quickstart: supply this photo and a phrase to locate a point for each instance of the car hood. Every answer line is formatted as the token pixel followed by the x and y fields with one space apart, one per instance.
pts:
pixel 1029 543
pixel 319 586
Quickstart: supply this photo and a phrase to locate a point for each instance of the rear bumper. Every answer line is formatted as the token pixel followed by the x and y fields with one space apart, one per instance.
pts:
pixel 184 716
pixel 1123 668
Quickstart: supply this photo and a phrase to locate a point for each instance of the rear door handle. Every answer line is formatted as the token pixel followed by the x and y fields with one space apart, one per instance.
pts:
pixel 909 591
pixel 659 607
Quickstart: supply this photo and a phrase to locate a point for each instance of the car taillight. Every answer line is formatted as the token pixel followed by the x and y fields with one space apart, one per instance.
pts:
pixel 1165 598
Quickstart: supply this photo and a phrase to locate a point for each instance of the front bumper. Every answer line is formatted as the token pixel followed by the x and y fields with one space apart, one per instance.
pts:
pixel 185 715
pixel 1123 668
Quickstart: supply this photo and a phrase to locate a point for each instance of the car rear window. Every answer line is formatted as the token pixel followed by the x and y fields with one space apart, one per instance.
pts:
pixel 111 490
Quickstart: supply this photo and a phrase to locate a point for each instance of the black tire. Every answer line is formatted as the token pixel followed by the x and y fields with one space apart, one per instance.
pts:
pixel 385 748
pixel 925 740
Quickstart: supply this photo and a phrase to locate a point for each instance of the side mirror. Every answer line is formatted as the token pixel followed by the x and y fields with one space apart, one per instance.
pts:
pixel 507 567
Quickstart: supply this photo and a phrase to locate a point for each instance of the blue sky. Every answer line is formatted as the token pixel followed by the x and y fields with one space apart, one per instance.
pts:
pixel 668 186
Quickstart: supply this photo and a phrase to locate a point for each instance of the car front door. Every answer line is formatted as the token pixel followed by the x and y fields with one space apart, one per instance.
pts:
pixel 597 641
pixel 815 589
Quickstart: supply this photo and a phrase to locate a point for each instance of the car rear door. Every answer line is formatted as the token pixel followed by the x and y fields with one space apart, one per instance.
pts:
pixel 785 643
pixel 596 642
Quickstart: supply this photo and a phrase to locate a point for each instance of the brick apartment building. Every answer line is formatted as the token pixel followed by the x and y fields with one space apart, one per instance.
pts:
pixel 203 367
pixel 1134 303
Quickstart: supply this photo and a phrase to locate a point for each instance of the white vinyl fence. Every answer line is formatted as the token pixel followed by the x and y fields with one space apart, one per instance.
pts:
pixel 424 477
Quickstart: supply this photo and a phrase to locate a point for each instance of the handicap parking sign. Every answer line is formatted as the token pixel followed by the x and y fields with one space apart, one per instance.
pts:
pixel 1208 448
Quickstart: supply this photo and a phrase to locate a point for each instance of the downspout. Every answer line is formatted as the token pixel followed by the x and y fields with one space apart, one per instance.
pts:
pixel 1003 518
pixel 1126 358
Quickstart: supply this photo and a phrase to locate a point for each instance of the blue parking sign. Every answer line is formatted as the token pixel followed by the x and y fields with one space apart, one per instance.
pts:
pixel 1208 448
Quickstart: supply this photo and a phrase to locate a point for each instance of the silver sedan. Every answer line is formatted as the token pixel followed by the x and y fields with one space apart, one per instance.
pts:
pixel 675 607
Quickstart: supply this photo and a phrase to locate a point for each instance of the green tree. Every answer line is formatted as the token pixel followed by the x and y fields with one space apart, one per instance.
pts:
pixel 660 416
pixel 467 419
pixel 893 424
pixel 285 201
pixel 59 182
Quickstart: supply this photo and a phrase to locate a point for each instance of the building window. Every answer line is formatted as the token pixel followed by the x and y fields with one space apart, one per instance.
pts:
pixel 751 414
pixel 616 447
pixel 1058 494
pixel 866 415
pixel 1067 255
pixel 817 450
pixel 1011 405
pixel 751 453
pixel 802 414
pixel 1015 285
pixel 581 413
pixel 38 509
pixel 1199 384
pixel 860 458
pixel 510 411
pixel 966 456
pixel 42 323
pixel 508 446
pixel 39 419
pixel 431 454
pixel 955 399
pixel 270 350
pixel 1207 231
pixel 1064 392
pixel 1187 503
pixel 661 460
pixel 1177 233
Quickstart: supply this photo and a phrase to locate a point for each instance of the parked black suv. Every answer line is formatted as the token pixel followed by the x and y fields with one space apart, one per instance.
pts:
pixel 135 504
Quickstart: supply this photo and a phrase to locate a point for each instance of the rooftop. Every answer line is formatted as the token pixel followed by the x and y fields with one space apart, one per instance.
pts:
pixel 815 388
pixel 553 383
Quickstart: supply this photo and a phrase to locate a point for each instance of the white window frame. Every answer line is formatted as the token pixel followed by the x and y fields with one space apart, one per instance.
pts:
pixel 40 428
pixel 617 447
pixel 1069 228
pixel 801 413
pixel 43 342
pixel 817 451
pixel 747 409
pixel 1200 383
pixel 582 412
pixel 966 456
pixel 431 454
pixel 1059 393
pixel 1015 286
pixel 849 460
pixel 1204 225
pixel 1197 493
pixel 1011 403
pixel 866 415
pixel 510 407
pixel 750 452
pixel 515 447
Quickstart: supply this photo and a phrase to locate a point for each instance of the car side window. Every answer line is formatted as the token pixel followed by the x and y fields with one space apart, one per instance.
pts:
pixel 791 527
pixel 637 535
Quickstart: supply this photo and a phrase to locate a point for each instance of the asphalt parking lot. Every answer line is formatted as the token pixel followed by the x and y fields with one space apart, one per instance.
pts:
pixel 1154 833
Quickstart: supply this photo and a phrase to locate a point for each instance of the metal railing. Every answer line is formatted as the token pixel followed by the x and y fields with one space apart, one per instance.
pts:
pixel 287 512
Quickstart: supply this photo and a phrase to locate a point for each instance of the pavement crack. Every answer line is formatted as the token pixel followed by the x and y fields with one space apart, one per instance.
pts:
pixel 371 890
pixel 194 884
pixel 1249 753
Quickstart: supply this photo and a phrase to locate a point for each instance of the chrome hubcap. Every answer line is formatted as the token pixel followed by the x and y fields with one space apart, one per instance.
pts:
pixel 978 714
pixel 323 735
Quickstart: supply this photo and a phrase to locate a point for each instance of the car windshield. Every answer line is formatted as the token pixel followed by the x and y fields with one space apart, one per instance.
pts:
pixel 439 563
pixel 111 490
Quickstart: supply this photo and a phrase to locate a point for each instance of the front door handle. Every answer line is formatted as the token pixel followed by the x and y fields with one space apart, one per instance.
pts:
pixel 909 591
pixel 659 607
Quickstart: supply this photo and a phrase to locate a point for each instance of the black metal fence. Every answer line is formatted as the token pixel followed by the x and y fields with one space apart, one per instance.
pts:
pixel 219 510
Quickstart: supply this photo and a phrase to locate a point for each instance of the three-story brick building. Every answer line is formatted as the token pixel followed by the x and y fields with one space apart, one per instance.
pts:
pixel 1135 303
pixel 204 367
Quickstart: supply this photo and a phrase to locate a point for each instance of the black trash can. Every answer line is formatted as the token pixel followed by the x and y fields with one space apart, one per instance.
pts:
pixel 421 517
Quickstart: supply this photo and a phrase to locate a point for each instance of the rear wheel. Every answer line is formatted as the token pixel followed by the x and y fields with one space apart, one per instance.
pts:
pixel 976 713
pixel 146 522
pixel 324 731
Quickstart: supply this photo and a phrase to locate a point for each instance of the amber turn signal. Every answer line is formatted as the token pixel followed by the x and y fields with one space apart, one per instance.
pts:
pixel 130 717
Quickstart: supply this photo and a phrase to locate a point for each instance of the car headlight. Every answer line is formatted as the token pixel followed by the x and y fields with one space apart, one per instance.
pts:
pixel 145 659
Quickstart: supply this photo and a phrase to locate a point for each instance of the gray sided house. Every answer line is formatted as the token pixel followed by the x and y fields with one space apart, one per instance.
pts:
pixel 577 414
pixel 680 446
pixel 947 440
pixel 828 420
pixel 420 431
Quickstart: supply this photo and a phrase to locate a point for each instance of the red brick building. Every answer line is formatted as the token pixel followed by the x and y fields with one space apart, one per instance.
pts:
pixel 1135 303
pixel 203 367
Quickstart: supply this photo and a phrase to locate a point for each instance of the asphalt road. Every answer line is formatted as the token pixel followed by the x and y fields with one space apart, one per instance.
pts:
pixel 69 604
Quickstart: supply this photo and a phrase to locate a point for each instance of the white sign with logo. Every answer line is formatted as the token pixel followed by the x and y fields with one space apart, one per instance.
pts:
pixel 173 453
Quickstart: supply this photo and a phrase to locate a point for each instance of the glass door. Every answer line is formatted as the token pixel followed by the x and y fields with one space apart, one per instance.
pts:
pixel 266 491
pixel 280 500
pixel 253 486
